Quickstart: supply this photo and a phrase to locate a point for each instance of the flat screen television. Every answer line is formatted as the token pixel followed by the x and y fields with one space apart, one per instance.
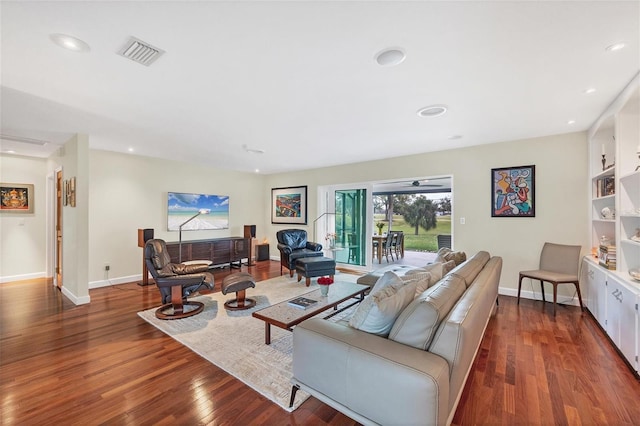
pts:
pixel 182 206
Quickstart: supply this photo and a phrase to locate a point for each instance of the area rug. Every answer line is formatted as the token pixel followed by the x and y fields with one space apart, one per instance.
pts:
pixel 234 340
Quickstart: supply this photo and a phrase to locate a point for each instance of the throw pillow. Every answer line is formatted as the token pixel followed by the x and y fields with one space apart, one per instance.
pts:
pixel 435 269
pixel 378 311
pixel 445 254
pixel 388 279
pixel 418 322
pixel 448 267
pixel 423 280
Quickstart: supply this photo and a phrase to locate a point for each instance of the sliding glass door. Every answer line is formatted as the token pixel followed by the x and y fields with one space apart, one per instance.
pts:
pixel 350 226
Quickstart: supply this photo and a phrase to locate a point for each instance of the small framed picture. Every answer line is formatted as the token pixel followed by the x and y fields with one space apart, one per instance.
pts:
pixel 289 205
pixel 16 198
pixel 513 191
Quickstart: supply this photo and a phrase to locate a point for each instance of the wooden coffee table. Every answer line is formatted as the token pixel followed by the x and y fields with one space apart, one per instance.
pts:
pixel 285 316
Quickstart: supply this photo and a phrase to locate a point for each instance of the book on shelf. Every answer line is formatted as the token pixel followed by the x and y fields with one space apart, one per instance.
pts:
pixel 607 256
pixel 605 186
pixel 301 302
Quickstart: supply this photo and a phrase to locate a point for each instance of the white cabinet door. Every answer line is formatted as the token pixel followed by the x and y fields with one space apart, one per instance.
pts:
pixel 594 279
pixel 622 318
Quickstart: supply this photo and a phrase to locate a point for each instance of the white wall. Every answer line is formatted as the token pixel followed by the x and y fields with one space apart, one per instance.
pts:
pixel 22 235
pixel 561 198
pixel 129 192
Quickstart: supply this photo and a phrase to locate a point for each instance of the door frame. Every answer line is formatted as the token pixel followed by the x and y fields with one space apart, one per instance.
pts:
pixel 327 204
pixel 52 213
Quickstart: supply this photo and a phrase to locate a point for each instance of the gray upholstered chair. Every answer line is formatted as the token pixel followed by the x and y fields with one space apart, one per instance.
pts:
pixel 176 281
pixel 558 265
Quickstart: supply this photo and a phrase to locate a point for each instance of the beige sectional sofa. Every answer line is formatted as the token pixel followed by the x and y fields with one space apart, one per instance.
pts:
pixel 414 373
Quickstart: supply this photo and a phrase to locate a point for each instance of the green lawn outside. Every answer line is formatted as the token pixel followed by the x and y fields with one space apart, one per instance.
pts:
pixel 425 240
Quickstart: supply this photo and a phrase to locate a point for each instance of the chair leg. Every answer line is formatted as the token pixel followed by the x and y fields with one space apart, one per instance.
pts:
pixel 542 290
pixel 555 297
pixel 519 287
pixel 294 389
pixel 577 284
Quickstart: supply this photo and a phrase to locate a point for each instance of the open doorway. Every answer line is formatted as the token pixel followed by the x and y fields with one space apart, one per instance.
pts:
pixel 420 210
pixel 348 212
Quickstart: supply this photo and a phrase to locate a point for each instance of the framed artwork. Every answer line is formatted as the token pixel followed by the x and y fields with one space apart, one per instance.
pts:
pixel 289 205
pixel 71 191
pixel 513 191
pixel 16 198
pixel 197 211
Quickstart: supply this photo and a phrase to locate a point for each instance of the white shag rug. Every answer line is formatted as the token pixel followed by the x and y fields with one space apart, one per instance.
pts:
pixel 234 340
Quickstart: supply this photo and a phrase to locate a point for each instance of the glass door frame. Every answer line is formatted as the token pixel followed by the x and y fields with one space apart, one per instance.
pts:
pixel 327 204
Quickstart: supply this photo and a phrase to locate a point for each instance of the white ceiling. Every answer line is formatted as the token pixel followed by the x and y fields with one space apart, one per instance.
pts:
pixel 299 81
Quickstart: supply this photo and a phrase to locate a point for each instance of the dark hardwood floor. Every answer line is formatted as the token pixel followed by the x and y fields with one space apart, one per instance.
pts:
pixel 101 364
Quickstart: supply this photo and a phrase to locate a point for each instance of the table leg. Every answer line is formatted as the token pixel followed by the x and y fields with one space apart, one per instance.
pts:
pixel 379 251
pixel 267 333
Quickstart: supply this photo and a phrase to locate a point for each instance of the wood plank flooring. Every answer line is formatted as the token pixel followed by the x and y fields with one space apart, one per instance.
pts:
pixel 101 364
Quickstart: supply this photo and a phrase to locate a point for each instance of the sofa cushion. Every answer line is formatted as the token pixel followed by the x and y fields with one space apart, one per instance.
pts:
pixel 417 323
pixel 379 310
pixel 472 267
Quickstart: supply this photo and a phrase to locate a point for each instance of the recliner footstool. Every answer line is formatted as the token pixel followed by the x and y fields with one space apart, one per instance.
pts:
pixel 238 283
pixel 310 267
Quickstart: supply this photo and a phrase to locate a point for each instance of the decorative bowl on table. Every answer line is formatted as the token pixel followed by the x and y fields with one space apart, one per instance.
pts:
pixel 635 273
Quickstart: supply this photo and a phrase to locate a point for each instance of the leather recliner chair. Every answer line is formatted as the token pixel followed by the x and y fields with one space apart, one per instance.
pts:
pixel 176 281
pixel 293 245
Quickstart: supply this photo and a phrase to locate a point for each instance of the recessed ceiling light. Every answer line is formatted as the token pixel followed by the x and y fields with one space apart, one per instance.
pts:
pixel 570 122
pixel 589 91
pixel 257 170
pixel 10 151
pixel 70 43
pixel 615 47
pixel 454 137
pixel 390 57
pixel 130 149
pixel 432 111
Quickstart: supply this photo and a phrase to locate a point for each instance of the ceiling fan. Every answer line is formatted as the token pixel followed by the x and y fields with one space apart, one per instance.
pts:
pixel 423 183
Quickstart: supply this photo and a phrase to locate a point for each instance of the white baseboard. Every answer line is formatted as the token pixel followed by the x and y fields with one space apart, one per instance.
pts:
pixel 75 299
pixel 528 294
pixel 115 281
pixel 33 276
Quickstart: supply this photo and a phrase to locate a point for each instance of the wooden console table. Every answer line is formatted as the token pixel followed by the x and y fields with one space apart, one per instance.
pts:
pixel 220 251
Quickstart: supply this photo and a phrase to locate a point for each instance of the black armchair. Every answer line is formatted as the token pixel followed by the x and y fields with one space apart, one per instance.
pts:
pixel 293 245
pixel 176 281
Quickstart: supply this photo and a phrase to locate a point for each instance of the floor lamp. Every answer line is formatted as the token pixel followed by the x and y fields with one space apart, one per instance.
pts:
pixel 201 211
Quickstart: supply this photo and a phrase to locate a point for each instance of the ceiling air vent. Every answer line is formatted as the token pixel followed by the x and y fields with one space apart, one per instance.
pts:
pixel 140 51
pixel 22 139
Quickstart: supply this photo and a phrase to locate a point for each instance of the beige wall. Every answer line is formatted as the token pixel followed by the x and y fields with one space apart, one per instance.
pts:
pixel 22 235
pixel 73 159
pixel 561 195
pixel 126 192
pixel 129 192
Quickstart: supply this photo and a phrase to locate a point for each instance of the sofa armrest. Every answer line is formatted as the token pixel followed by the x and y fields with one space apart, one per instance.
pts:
pixel 381 380
pixel 314 246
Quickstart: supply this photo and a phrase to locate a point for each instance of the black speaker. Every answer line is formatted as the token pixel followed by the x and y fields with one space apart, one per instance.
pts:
pixel 249 231
pixel 144 235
